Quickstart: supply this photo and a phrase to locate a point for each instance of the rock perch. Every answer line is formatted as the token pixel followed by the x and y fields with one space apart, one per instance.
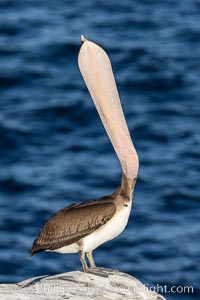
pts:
pixel 111 284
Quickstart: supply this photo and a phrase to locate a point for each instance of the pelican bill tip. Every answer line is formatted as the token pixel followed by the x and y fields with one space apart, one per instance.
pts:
pixel 83 39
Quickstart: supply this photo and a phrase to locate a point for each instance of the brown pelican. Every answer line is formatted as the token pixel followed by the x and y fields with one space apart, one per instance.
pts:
pixel 82 227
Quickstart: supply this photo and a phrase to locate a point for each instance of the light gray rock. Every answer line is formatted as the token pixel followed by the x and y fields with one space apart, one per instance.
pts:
pixel 101 284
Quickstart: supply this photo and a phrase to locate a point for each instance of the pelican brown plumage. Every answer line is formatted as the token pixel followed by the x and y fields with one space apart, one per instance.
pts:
pixel 82 227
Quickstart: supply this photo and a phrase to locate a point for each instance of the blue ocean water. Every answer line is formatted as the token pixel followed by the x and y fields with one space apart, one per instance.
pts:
pixel 53 148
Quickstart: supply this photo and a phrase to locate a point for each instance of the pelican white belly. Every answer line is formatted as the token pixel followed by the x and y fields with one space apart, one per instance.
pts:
pixel 108 231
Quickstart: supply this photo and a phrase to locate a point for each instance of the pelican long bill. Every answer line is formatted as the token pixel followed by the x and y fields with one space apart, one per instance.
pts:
pixel 97 72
